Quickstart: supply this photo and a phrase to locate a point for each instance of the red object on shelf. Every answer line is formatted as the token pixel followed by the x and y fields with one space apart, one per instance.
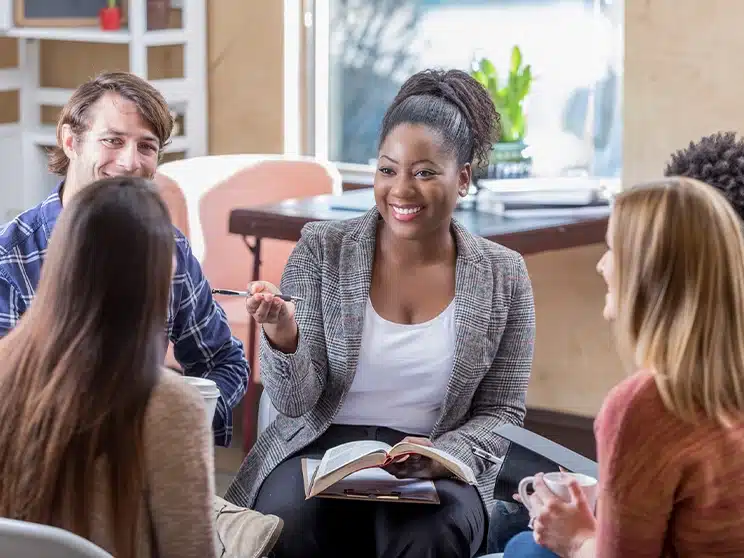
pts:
pixel 110 18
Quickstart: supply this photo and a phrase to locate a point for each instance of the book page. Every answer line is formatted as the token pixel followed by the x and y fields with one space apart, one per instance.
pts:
pixel 456 466
pixel 341 456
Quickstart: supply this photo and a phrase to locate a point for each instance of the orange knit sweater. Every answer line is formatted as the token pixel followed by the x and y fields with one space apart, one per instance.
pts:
pixel 667 488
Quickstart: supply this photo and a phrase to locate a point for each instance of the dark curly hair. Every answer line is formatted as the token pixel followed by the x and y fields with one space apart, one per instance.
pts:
pixel 452 103
pixel 717 159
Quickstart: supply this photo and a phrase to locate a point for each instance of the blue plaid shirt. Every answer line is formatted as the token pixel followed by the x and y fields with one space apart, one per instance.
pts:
pixel 197 325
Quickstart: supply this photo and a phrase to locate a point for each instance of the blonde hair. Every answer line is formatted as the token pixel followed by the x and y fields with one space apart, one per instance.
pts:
pixel 678 251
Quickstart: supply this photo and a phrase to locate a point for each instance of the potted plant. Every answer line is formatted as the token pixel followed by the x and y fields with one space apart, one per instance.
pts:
pixel 507 157
pixel 110 16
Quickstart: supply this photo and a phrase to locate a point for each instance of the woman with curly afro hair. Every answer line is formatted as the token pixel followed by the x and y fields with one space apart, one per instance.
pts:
pixel 718 160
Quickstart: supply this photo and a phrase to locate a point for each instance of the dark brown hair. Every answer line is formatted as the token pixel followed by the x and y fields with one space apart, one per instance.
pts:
pixel 76 112
pixel 453 104
pixel 717 159
pixel 77 371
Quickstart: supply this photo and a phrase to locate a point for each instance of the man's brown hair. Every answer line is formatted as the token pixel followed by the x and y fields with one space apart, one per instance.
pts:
pixel 76 112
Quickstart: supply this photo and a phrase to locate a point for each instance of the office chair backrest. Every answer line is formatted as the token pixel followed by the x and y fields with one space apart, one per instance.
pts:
pixel 32 540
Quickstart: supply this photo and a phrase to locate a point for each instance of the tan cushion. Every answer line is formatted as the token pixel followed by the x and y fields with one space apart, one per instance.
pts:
pixel 242 532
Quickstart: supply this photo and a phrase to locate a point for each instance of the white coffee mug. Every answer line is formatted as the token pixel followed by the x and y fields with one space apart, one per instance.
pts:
pixel 558 485
pixel 209 392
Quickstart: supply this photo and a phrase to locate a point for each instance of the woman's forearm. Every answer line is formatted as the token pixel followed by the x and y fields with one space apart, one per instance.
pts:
pixel 288 368
pixel 283 337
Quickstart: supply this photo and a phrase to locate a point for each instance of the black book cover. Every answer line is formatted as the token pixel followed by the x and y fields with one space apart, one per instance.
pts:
pixel 530 453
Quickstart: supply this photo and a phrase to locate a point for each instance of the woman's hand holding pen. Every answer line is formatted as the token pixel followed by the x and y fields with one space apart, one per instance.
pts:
pixel 275 315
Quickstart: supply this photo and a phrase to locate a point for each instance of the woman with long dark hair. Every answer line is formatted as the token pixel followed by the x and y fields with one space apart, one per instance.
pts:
pixel 95 436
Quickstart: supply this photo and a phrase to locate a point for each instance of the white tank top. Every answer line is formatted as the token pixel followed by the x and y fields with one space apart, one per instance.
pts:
pixel 402 373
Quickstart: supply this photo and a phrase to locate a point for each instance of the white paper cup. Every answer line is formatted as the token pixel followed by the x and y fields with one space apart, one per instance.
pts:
pixel 209 392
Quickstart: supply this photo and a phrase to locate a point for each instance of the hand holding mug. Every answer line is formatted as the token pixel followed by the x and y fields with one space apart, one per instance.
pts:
pixel 561 509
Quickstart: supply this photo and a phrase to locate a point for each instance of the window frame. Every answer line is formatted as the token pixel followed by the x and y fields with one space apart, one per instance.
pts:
pixel 307 101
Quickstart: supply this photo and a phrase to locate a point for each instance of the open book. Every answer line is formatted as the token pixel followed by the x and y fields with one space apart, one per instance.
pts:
pixel 343 460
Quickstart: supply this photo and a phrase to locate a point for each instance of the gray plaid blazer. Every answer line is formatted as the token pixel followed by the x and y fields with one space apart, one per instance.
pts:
pixel 331 268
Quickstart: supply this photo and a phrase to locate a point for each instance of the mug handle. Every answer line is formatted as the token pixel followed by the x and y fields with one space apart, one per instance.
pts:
pixel 522 490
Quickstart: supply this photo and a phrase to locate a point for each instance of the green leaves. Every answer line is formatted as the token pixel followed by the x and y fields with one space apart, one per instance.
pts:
pixel 488 68
pixel 516 60
pixel 480 77
pixel 508 97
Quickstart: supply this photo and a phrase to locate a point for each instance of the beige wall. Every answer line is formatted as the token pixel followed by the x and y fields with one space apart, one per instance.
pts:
pixel 681 81
pixel 682 77
pixel 246 76
pixel 575 363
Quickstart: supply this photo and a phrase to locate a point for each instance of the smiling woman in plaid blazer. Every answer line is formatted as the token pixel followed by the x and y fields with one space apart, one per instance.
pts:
pixel 409 326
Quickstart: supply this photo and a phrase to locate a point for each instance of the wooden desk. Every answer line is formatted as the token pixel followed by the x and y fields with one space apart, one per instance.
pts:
pixel 284 221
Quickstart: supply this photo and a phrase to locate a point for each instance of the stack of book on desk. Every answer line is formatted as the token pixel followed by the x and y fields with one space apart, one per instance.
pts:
pixel 547 197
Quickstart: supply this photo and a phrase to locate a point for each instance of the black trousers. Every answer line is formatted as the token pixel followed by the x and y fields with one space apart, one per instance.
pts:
pixel 326 528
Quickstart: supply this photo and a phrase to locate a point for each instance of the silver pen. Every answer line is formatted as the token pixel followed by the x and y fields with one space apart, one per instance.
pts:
pixel 246 294
pixel 486 455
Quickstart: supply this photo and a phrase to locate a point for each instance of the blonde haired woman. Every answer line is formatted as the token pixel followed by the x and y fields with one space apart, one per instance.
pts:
pixel 670 438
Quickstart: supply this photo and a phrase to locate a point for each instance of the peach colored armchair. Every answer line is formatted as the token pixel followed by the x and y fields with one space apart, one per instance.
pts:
pixel 214 185
pixel 174 199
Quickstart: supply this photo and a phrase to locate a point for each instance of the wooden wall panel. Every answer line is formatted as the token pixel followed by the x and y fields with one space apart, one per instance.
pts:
pixel 246 76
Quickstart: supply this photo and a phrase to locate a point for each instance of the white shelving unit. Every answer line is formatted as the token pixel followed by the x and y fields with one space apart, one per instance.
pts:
pixel 186 95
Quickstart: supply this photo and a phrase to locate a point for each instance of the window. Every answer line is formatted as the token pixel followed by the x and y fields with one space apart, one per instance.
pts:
pixel 574 47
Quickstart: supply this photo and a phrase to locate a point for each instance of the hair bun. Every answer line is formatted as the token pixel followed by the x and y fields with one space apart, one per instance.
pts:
pixel 461 90
pixel 430 82
pixel 447 91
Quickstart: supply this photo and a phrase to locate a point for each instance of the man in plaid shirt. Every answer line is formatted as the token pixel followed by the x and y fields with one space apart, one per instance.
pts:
pixel 117 124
